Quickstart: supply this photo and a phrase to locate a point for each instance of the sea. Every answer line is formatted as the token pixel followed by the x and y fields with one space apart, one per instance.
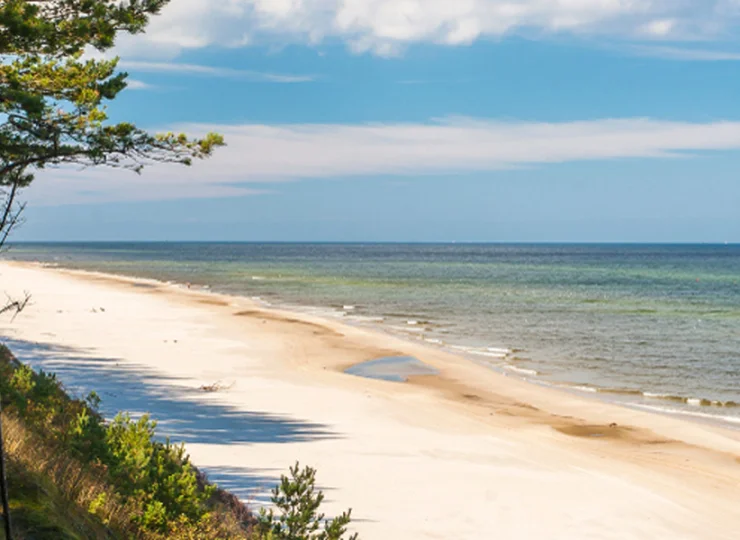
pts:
pixel 654 327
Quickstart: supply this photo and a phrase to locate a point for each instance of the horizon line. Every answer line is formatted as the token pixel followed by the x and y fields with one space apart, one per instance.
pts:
pixel 384 242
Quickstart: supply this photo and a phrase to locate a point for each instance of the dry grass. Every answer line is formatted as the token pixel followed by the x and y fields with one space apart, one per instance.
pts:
pixel 55 496
pixel 75 499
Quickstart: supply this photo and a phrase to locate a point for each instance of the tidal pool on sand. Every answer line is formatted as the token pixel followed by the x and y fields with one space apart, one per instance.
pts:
pixel 392 368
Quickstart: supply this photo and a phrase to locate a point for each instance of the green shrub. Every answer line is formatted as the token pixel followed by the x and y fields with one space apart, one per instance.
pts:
pixel 23 380
pixel 85 435
pixel 155 477
pixel 158 475
pixel 154 517
pixel 130 450
pixel 299 519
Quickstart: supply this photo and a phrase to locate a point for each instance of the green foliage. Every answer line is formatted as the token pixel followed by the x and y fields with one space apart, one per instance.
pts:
pixel 97 504
pixel 154 477
pixel 52 101
pixel 157 475
pixel 67 26
pixel 299 519
pixel 39 399
pixel 131 448
pixel 154 517
pixel 210 526
pixel 22 381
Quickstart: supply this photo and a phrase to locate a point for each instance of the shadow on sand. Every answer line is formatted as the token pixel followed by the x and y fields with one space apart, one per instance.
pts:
pixel 252 486
pixel 182 413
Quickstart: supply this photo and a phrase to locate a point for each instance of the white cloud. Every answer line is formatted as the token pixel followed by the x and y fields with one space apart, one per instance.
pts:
pixel 195 69
pixel 258 154
pixel 386 26
pixel 660 28
pixel 135 84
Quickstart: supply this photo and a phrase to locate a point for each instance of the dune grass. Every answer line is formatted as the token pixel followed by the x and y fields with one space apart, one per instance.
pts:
pixel 53 496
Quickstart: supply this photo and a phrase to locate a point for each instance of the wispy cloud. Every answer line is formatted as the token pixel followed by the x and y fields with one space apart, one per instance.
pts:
pixel 686 54
pixel 212 71
pixel 135 84
pixel 385 27
pixel 259 154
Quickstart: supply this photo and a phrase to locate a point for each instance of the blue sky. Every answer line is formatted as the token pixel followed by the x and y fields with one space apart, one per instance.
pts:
pixel 424 120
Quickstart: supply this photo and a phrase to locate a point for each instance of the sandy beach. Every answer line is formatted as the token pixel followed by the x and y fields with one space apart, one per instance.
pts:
pixel 464 454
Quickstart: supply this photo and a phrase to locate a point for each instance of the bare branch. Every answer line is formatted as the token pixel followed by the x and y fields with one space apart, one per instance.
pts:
pixel 14 221
pixel 16 305
pixel 8 207
pixel 11 213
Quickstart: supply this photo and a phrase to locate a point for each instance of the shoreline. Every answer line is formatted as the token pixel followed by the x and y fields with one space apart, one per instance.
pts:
pixel 468 417
pixel 499 360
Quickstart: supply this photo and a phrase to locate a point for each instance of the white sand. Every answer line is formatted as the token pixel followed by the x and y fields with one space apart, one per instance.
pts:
pixel 468 454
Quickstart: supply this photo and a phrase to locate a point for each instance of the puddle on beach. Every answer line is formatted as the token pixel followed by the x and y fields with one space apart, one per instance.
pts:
pixel 140 285
pixel 392 368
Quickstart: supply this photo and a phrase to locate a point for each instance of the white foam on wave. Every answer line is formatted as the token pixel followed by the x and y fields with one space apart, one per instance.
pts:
pixel 653 395
pixel 488 354
pixel 522 371
pixel 258 278
pixel 694 402
pixel 435 341
pixel 348 308
pixel 411 330
pixel 583 388
pixel 499 352
pixel 365 318
pixel 412 322
pixel 670 410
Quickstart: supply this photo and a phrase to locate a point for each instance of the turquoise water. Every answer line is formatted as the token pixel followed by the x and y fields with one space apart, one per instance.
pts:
pixel 654 326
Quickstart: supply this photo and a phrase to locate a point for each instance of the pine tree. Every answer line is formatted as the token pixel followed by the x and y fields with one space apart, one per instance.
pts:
pixel 53 98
